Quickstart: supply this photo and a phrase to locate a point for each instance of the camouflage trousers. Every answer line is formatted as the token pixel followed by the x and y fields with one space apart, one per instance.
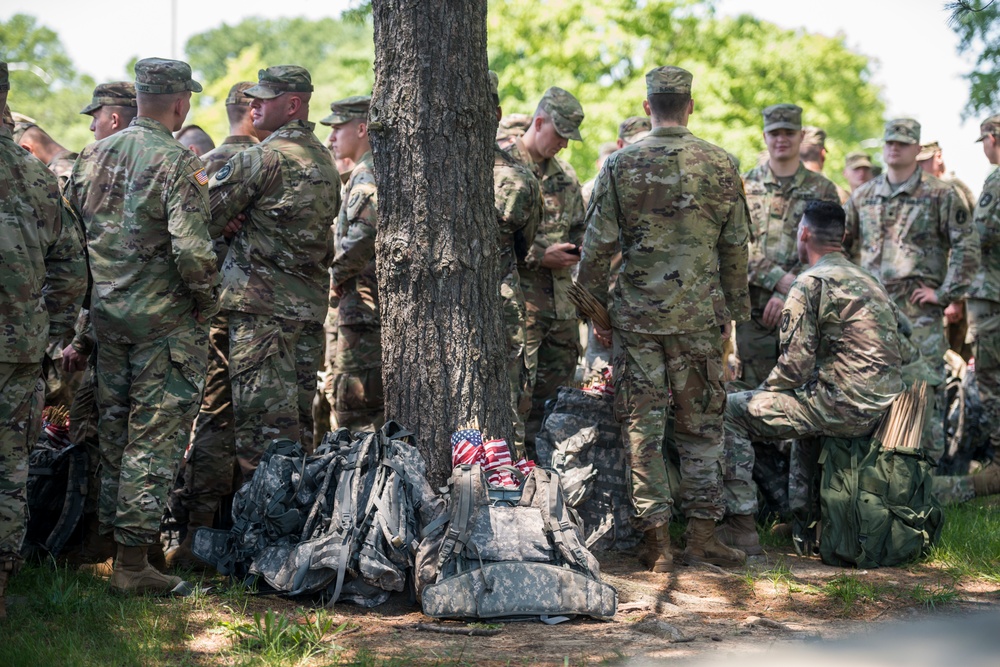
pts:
pixel 758 350
pixel 83 430
pixel 359 401
pixel 323 418
pixel 272 366
pixel 652 374
pixel 60 385
pixel 929 337
pixel 762 416
pixel 552 349
pixel 597 356
pixel 952 490
pixel 22 396
pixel 148 395
pixel 211 457
pixel 517 371
pixel 984 336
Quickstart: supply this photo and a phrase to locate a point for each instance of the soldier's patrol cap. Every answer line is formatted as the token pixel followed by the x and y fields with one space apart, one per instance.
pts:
pixel 668 79
pixel 783 117
pixel 927 151
pixel 159 76
pixel 813 136
pixel 990 126
pixel 348 109
pixel 114 94
pixel 4 77
pixel 903 130
pixel 237 94
pixel 8 119
pixel 858 159
pixel 565 112
pixel 280 79
pixel 21 124
pixel 513 125
pixel 634 128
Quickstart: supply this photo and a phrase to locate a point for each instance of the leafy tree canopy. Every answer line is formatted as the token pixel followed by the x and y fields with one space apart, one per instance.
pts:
pixel 977 24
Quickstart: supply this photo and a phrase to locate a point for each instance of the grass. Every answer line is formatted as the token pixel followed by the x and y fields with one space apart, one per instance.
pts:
pixel 851 592
pixel 970 540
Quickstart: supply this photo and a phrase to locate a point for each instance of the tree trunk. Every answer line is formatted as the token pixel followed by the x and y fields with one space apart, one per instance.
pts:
pixel 432 128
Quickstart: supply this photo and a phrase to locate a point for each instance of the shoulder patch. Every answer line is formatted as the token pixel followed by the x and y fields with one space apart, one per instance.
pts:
pixel 785 318
pixel 985 200
pixel 201 176
pixel 223 173
pixel 961 216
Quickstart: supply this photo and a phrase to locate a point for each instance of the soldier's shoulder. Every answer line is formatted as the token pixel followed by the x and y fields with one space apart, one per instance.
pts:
pixel 567 169
pixel 755 174
pixel 937 186
pixel 818 182
pixel 866 190
pixel 993 180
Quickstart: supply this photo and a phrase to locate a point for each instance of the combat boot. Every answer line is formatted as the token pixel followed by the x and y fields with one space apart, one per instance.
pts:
pixel 655 553
pixel 740 532
pixel 134 574
pixel 181 555
pixel 96 548
pixel 704 547
pixel 156 556
pixel 103 570
pixel 987 481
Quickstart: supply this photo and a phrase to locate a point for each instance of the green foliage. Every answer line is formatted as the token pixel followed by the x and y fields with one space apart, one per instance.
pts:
pixel 275 635
pixel 931 597
pixel 977 24
pixel 970 540
pixel 44 83
pixel 849 590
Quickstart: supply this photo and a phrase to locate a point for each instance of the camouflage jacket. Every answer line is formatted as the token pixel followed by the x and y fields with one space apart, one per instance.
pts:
pixel 215 160
pixel 839 343
pixel 354 265
pixel 986 283
pixel 921 231
pixel 143 200
pixel 674 203
pixel 62 167
pixel 42 265
pixel 775 211
pixel 290 191
pixel 963 190
pixel 518 201
pixel 546 290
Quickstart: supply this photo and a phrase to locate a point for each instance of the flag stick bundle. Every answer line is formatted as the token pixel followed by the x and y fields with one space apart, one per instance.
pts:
pixel 589 306
pixel 904 422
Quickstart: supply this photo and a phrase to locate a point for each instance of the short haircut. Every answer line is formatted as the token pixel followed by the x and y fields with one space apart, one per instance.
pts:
pixel 811 152
pixel 669 106
pixel 157 103
pixel 127 114
pixel 826 220
pixel 193 136
pixel 237 112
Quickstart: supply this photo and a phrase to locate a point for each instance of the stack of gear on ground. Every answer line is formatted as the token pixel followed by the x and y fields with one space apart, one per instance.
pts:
pixel 966 424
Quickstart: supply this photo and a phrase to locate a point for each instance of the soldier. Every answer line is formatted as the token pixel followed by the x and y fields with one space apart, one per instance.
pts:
pixel 676 204
pixel 210 462
pixel 517 197
pixel 631 130
pixel 931 160
pixel 112 108
pixel 839 369
pixel 912 231
pixel 812 152
pixel 155 287
pixel 195 139
pixel 37 141
pixel 858 169
pixel 274 280
pixel 553 338
pixel 357 396
pixel 44 275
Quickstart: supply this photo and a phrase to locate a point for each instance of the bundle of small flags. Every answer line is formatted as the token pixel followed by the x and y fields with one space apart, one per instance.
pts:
pixel 468 446
pixel 55 423
pixel 601 385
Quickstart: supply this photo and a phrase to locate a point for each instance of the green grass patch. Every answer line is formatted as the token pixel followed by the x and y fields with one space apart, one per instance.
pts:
pixel 970 540
pixel 852 591
pixel 275 637
pixel 931 597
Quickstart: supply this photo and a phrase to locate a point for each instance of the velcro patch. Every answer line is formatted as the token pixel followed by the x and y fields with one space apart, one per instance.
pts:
pixel 201 177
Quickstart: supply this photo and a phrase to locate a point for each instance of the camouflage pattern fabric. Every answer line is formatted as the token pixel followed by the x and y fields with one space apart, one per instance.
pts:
pixel 963 190
pixel 62 167
pixel 83 419
pixel 21 395
pixel 358 397
pixel 952 490
pixel 776 206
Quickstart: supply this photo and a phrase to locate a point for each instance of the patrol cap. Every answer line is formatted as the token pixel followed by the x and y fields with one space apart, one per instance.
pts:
pixel 990 126
pixel 634 128
pixel 8 119
pixel 565 112
pixel 668 79
pixel 494 83
pixel 21 124
pixel 4 77
pixel 159 76
pixel 903 130
pixel 513 125
pixel 813 136
pixel 927 151
pixel 348 109
pixel 858 159
pixel 237 94
pixel 280 79
pixel 114 94
pixel 783 117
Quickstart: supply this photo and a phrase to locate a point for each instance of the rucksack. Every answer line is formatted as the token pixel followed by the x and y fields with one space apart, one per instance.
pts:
pixel 342 524
pixel 509 553
pixel 966 422
pixel 876 503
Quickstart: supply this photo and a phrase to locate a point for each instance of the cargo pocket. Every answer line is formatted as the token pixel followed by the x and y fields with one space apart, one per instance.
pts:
pixel 185 379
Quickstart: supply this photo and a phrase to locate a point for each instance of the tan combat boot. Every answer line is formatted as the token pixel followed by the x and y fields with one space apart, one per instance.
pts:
pixel 181 555
pixel 987 481
pixel 134 574
pixel 103 570
pixel 740 532
pixel 704 547
pixel 655 553
pixel 156 556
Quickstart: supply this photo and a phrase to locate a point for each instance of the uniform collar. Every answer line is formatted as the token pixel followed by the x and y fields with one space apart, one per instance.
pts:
pixel 908 187
pixel 151 124
pixel 669 131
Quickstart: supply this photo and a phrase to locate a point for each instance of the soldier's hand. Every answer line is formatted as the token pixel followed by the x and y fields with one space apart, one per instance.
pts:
pixel 234 225
pixel 785 283
pixel 924 295
pixel 772 312
pixel 198 316
pixel 603 335
pixel 954 312
pixel 727 331
pixel 72 360
pixel 560 256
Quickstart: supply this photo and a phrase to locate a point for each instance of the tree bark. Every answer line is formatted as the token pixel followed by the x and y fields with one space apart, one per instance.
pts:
pixel 432 125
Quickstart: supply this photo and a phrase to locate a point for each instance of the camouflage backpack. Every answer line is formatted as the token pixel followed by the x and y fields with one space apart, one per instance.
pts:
pixel 509 553
pixel 342 523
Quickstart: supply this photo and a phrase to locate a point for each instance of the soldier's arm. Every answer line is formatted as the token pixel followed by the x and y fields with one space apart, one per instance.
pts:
pixel 600 241
pixel 188 219
pixel 963 260
pixel 357 248
pixel 518 200
pixel 799 331
pixel 852 232
pixel 733 257
pixel 237 184
pixel 65 275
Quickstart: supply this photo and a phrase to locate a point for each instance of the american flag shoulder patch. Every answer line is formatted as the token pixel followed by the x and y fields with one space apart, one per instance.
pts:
pixel 201 177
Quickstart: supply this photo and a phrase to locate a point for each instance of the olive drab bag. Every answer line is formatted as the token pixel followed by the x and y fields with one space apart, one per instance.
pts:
pixel 876 503
pixel 509 553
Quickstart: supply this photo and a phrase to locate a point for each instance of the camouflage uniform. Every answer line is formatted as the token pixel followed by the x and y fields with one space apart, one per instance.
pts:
pixel 813 136
pixel 274 279
pixel 919 232
pixel 953 489
pixel 150 255
pixel 675 205
pixel 838 371
pixel 552 345
pixel 44 276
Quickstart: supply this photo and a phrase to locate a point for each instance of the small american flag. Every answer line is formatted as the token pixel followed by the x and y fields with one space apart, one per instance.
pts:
pixel 467 447
pixel 498 454
pixel 201 177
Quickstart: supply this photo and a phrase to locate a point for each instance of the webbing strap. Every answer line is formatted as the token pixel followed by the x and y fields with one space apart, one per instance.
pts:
pixel 561 529
pixel 461 511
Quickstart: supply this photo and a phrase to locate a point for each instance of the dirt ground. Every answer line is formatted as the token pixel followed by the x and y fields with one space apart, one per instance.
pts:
pixel 694 612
